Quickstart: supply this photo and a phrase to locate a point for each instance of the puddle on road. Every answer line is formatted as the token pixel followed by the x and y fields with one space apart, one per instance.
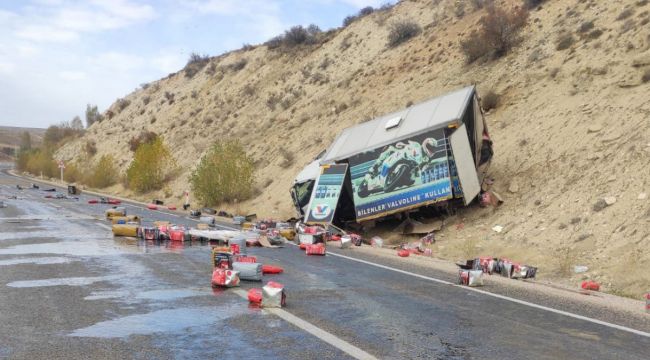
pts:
pixel 107 295
pixel 73 281
pixel 49 234
pixel 36 261
pixel 170 294
pixel 72 248
pixel 158 295
pixel 161 321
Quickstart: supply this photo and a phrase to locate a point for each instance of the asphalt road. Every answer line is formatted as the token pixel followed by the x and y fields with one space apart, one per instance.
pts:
pixel 71 290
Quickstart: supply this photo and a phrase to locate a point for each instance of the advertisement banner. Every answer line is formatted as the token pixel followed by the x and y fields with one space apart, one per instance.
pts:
pixel 326 193
pixel 406 174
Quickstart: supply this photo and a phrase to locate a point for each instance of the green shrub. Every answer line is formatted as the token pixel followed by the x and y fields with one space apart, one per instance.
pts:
pixel 498 33
pixel 104 173
pixel 39 162
pixel 224 174
pixel 195 63
pixel 402 31
pixel 72 173
pixel 151 164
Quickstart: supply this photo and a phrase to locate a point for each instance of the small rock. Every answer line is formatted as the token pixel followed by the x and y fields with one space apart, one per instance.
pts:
pixel 594 156
pixel 610 200
pixel 514 188
pixel 530 214
pixel 642 60
pixel 594 128
pixel 497 228
pixel 599 205
pixel 611 178
pixel 642 196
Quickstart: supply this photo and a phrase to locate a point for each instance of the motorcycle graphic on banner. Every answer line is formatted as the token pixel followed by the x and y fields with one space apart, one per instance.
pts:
pixel 406 174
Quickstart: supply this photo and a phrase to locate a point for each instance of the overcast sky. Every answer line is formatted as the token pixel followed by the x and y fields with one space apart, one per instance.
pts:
pixel 58 55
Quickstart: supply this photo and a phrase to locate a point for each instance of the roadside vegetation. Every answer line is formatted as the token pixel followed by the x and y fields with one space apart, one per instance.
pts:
pixel 498 33
pixel 224 174
pixel 152 165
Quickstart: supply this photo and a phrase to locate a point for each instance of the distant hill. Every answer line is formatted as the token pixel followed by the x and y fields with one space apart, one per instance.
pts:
pixel 10 138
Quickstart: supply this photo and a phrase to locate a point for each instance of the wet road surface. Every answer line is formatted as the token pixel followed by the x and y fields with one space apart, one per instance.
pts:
pixel 71 290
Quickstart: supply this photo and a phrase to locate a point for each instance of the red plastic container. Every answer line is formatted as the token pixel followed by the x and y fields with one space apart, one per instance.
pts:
pixel 303 246
pixel 244 259
pixel 171 207
pixel 234 248
pixel 403 253
pixel 647 303
pixel 270 269
pixel 590 285
pixel 176 235
pixel 114 202
pixel 316 249
pixel 255 295
pixel 93 201
pixel 152 207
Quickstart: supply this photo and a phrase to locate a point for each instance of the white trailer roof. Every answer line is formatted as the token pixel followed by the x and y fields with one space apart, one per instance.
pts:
pixel 310 172
pixel 417 119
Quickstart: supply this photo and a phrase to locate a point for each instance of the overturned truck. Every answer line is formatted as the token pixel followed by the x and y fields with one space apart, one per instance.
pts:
pixel 427 155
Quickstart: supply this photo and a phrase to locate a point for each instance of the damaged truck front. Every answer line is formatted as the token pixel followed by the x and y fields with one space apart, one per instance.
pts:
pixel 427 154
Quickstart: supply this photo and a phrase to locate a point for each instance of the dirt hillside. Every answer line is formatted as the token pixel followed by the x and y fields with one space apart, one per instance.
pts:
pixel 571 129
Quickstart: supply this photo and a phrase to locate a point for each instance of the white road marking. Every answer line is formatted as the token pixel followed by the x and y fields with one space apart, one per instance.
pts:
pixel 321 334
pixel 502 297
pixel 104 226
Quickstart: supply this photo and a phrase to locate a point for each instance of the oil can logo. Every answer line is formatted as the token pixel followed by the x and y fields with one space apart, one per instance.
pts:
pixel 321 211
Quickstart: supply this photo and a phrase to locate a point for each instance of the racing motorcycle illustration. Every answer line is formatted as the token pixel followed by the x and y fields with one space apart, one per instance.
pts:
pixel 397 166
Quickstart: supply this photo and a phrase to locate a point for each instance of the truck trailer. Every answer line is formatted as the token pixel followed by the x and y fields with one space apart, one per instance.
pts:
pixel 430 153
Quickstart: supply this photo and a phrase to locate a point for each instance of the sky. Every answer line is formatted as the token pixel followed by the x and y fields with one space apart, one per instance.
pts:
pixel 56 56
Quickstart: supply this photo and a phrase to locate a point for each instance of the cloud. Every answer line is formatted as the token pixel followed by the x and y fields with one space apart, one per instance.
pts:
pixel 60 21
pixel 6 67
pixel 72 75
pixel 262 17
pixel 117 61
pixel 41 33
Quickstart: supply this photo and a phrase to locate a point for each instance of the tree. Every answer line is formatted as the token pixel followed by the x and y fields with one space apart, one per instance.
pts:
pixel 77 124
pixel 92 115
pixel 151 164
pixel 225 173
pixel 25 141
pixel 104 173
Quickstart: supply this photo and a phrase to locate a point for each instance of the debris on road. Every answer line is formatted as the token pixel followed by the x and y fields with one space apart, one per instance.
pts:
pixel 403 253
pixel 376 242
pixel 590 285
pixel 248 271
pixel 504 267
pixel 273 295
pixel 152 206
pixel 647 303
pixel 225 278
pixel 270 269
pixel 129 219
pixel 115 211
pixel 471 278
pixel 315 249
pixel 125 230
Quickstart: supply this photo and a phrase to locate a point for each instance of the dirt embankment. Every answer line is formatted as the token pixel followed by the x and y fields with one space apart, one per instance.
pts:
pixel 570 130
